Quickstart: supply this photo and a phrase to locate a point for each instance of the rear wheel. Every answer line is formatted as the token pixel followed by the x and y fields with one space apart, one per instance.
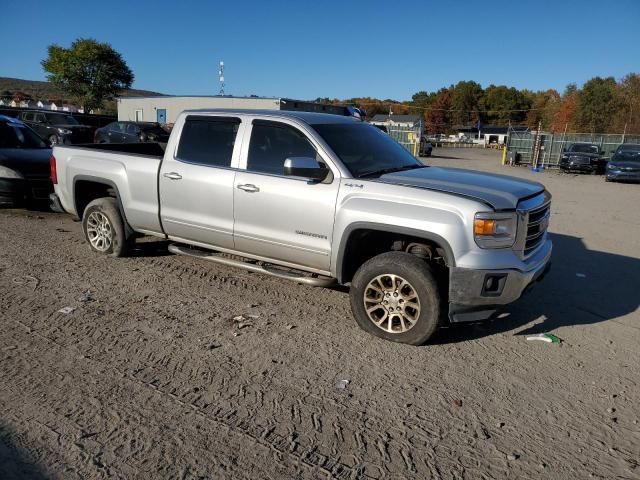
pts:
pixel 395 296
pixel 104 228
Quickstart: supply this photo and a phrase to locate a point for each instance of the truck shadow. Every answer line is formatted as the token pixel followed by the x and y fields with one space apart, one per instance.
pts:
pixel 583 287
pixel 149 247
pixel 16 462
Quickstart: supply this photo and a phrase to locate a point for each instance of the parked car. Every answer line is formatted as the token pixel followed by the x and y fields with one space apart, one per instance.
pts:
pixel 24 163
pixel 583 157
pixel 131 132
pixel 322 200
pixel 624 164
pixel 58 127
pixel 425 147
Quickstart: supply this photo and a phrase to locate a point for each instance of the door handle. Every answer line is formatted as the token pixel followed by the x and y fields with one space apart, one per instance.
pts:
pixel 248 187
pixel 173 176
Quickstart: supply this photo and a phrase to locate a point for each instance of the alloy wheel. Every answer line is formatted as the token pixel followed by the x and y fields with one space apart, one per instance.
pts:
pixel 99 231
pixel 392 303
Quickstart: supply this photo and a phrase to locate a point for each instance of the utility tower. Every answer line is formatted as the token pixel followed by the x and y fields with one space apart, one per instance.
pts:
pixel 221 74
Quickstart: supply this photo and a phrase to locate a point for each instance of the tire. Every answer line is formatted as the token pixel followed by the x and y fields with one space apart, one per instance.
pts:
pixel 53 139
pixel 104 228
pixel 413 326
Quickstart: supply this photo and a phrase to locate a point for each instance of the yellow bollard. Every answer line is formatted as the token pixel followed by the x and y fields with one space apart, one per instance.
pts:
pixel 504 155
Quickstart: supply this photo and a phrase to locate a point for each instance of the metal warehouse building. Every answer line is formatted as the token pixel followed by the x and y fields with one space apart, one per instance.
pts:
pixel 165 109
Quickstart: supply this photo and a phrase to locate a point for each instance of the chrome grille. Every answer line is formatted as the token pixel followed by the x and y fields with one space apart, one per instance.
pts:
pixel 537 224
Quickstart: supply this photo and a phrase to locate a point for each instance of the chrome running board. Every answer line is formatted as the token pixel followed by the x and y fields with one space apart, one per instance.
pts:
pixel 267 269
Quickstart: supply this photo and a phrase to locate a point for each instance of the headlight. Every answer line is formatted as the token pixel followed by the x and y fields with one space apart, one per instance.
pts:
pixel 6 172
pixel 611 166
pixel 494 230
pixel 65 131
pixel 564 157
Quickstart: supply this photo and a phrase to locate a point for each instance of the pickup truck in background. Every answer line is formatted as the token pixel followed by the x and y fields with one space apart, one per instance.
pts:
pixel 322 200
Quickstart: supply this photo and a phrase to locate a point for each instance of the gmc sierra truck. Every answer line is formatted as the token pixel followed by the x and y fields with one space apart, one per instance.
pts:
pixel 322 200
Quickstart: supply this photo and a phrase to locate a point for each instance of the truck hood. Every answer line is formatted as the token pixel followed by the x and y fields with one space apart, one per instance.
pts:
pixel 499 191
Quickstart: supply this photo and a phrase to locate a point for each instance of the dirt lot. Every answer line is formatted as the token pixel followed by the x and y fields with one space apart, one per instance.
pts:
pixel 150 376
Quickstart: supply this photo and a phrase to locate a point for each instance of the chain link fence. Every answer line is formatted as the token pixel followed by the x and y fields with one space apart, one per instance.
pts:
pixel 408 137
pixel 549 146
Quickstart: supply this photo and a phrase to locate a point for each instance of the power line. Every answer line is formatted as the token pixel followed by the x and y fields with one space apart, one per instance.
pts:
pixel 381 103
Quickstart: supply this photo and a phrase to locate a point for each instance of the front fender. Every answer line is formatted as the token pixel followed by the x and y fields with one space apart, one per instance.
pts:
pixel 436 221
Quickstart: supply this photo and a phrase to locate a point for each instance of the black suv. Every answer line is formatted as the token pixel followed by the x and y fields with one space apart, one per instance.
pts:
pixel 583 157
pixel 131 132
pixel 58 127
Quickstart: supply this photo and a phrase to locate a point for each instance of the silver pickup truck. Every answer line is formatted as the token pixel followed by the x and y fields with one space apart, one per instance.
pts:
pixel 322 200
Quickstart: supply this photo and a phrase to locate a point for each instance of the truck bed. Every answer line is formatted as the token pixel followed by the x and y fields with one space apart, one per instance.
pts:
pixel 152 149
pixel 131 169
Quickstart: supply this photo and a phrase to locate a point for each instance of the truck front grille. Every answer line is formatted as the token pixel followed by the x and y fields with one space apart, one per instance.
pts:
pixel 537 224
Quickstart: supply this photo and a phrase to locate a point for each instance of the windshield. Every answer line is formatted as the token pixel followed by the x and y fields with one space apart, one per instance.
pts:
pixel 627 156
pixel 630 147
pixel 61 119
pixel 15 135
pixel 584 148
pixel 364 149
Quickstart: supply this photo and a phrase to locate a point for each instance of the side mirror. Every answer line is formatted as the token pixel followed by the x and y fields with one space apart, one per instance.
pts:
pixel 305 167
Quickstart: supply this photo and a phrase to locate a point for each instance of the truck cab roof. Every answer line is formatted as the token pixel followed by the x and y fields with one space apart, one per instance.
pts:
pixel 306 117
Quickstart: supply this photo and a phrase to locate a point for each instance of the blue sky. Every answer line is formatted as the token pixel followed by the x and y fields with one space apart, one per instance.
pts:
pixel 304 49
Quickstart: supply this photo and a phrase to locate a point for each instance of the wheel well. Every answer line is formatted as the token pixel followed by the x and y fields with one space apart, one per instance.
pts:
pixel 364 244
pixel 85 191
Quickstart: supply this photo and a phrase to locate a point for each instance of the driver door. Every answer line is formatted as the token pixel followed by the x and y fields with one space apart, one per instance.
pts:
pixel 282 217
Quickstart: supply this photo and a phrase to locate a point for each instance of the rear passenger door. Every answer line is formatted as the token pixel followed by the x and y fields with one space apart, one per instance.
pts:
pixel 196 181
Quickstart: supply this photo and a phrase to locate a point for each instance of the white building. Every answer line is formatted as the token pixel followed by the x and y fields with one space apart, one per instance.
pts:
pixel 408 121
pixel 165 109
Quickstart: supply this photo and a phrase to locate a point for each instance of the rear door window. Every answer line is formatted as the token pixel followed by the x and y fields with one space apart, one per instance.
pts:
pixel 132 129
pixel 208 140
pixel 272 143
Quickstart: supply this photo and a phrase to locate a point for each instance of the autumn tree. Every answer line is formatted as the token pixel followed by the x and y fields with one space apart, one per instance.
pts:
pixel 544 108
pixel 627 117
pixel 438 116
pixel 89 71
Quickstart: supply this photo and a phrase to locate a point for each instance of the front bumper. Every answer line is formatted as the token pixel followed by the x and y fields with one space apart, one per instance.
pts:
pixel 579 167
pixel 623 176
pixel 469 298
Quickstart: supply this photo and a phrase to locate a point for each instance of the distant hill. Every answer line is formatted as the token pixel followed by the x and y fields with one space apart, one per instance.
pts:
pixel 39 90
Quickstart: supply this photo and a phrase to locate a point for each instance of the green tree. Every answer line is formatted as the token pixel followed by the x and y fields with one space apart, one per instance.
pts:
pixel 598 102
pixel 89 71
pixel 466 97
pixel 502 104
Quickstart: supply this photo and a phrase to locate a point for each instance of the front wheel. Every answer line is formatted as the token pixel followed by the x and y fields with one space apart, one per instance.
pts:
pixel 395 296
pixel 104 228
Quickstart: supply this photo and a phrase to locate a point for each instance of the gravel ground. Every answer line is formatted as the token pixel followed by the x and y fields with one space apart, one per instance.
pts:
pixel 150 376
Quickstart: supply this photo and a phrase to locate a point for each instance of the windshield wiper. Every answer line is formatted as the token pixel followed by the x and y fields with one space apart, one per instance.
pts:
pixel 390 170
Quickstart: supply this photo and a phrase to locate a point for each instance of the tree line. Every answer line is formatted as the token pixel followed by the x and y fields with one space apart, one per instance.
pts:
pixel 602 105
